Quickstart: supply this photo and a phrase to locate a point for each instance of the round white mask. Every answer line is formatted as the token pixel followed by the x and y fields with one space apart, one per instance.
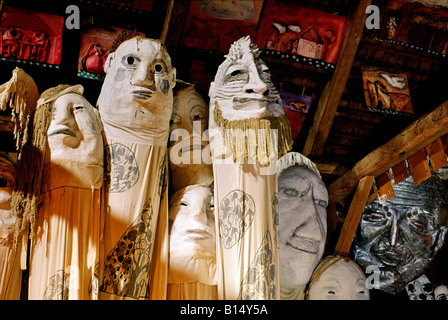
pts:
pixel 137 90
pixel 303 199
pixel 338 279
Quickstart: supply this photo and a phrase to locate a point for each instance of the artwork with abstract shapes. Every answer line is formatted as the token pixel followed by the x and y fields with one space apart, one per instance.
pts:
pixel 296 107
pixel 386 92
pixel 301 31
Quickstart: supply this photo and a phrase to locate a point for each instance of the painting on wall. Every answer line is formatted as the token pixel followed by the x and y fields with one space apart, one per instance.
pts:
pixel 386 92
pixel 301 31
pixel 97 41
pixel 296 107
pixel 215 24
pixel 32 36
pixel 417 25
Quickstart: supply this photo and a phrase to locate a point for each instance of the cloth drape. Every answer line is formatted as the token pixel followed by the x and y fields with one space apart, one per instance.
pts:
pixel 64 251
pixel 247 223
pixel 135 186
pixel 10 271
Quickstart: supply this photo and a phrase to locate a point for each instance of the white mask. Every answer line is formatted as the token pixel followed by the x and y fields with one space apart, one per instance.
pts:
pixel 338 279
pixel 74 134
pixel 303 199
pixel 137 90
pixel 189 148
pixel 192 235
pixel 441 292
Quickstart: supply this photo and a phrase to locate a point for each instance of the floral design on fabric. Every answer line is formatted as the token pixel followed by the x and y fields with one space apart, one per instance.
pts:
pixel 126 269
pixel 259 282
pixel 121 168
pixel 236 213
pixel 275 218
pixel 58 286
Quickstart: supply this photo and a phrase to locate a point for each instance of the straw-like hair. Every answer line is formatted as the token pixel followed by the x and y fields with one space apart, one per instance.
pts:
pixel 26 197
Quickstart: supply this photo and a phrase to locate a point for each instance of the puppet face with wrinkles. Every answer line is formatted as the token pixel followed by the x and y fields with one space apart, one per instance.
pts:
pixel 243 86
pixel 303 200
pixel 402 235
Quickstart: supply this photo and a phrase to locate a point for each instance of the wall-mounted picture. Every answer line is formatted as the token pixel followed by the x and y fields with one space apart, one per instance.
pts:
pixel 215 24
pixel 30 35
pixel 97 41
pixel 296 107
pixel 303 31
pixel 143 5
pixel 421 25
pixel 386 92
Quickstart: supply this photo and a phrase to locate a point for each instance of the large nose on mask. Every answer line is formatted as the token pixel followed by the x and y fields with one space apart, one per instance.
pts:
pixel 256 85
pixel 143 77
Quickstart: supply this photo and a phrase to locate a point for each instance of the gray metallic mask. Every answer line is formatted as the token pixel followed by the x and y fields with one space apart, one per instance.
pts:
pixel 402 236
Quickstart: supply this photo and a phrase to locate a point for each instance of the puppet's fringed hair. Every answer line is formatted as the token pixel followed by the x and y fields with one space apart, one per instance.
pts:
pixel 26 197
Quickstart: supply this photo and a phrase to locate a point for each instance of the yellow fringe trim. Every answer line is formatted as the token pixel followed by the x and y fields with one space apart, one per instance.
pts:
pixel 252 138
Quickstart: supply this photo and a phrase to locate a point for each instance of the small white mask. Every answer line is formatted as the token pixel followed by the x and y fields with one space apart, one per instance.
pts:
pixel 338 279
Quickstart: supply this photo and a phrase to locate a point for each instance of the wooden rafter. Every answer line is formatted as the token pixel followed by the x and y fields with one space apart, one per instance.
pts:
pixel 411 140
pixel 353 216
pixel 332 93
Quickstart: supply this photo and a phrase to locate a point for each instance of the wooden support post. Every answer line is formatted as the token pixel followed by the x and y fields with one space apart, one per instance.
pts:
pixel 353 216
pixel 411 140
pixel 332 93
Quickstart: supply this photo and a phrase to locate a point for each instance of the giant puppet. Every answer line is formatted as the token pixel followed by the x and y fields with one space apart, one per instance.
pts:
pixel 248 131
pixel 135 105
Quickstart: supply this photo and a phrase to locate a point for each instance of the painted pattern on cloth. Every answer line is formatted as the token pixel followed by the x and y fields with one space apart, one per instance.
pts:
pixel 126 269
pixel 258 283
pixel 121 168
pixel 236 213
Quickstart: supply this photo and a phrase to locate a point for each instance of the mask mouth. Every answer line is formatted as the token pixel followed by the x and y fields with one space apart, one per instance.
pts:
pixel 303 244
pixel 142 94
pixel 63 131
pixel 393 257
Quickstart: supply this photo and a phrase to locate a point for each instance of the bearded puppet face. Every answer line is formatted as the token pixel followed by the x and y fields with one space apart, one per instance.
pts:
pixel 244 100
pixel 137 90
pixel 243 86
pixel 402 235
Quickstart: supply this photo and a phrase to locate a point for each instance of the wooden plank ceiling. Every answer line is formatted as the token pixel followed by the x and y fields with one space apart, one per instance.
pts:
pixel 339 130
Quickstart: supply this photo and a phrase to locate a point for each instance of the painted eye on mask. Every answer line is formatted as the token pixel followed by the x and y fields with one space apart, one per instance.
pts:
pixel 130 61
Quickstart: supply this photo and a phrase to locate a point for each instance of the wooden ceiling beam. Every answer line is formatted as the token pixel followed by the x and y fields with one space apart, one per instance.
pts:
pixel 411 140
pixel 333 90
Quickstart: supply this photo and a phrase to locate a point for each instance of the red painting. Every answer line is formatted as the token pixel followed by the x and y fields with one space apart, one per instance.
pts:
pixel 301 31
pixel 97 42
pixel 30 35
pixel 215 25
pixel 296 107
